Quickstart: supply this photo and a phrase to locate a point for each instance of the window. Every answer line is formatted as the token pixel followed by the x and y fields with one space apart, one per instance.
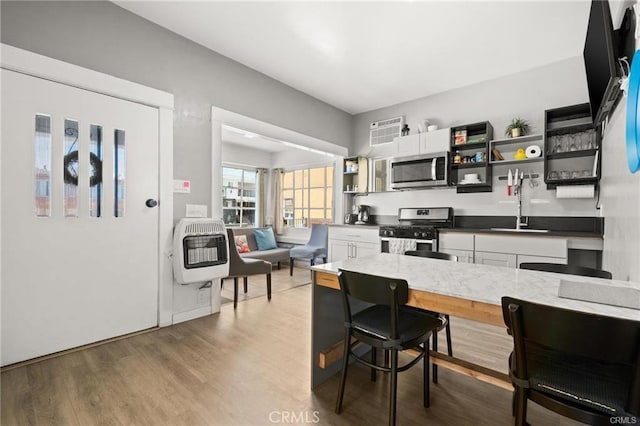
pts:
pixel 239 194
pixel 307 196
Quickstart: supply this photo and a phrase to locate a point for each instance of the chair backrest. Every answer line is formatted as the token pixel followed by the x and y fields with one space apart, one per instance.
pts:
pixel 582 334
pixel 319 235
pixel 235 261
pixel 373 289
pixel 567 269
pixel 432 254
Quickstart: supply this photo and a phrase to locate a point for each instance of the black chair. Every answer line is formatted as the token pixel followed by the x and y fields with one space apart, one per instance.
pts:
pixel 443 256
pixel 385 324
pixel 567 269
pixel 582 366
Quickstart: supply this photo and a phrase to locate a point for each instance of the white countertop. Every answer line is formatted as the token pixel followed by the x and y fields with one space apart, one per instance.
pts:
pixel 482 283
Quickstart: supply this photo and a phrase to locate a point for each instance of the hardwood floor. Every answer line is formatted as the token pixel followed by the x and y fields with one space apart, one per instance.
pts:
pixel 247 367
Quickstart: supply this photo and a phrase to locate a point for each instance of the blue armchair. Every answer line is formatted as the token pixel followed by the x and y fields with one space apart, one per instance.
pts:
pixel 316 247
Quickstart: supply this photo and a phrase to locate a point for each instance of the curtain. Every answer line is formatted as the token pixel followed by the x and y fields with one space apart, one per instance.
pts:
pixel 276 204
pixel 262 197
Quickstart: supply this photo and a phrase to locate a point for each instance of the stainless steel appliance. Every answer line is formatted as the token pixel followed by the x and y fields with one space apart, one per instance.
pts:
pixel 350 218
pixel 420 171
pixel 416 225
pixel 363 214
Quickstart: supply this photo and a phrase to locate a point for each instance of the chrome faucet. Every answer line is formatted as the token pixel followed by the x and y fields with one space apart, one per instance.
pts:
pixel 520 221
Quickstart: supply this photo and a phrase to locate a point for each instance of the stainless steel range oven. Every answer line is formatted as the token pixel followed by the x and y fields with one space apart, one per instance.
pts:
pixel 417 229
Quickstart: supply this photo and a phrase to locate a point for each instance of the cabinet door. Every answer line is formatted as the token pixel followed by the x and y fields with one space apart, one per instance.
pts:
pixel 339 250
pixel 495 259
pixel 380 175
pixel 407 145
pixel 456 241
pixel 365 249
pixel 464 256
pixel 436 141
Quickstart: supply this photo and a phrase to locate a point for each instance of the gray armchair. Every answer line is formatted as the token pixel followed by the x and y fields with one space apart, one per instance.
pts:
pixel 239 267
pixel 316 247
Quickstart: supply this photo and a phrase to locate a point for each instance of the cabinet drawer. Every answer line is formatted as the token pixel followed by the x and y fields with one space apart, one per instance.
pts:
pixel 455 241
pixel 524 258
pixel 354 234
pixel 534 246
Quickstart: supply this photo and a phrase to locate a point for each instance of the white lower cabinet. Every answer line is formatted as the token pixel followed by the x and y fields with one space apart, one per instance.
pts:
pixel 496 259
pixel 349 242
pixel 503 250
pixel 339 250
pixel 465 256
pixel 523 258
pixel 460 245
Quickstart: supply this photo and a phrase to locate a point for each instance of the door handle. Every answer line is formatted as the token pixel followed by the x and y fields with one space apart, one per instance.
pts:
pixel 433 169
pixel 151 203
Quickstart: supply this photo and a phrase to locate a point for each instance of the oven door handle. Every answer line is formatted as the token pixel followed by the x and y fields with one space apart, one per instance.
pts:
pixel 417 241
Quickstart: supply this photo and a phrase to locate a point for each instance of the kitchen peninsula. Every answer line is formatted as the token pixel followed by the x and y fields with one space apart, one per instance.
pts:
pixel 470 291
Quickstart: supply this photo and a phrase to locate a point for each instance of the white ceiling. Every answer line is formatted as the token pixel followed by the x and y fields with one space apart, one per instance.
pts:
pixel 360 56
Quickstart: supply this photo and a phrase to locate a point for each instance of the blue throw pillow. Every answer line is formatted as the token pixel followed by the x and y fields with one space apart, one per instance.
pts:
pixel 265 239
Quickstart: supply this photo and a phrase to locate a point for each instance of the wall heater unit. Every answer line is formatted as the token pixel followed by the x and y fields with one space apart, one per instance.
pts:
pixel 200 250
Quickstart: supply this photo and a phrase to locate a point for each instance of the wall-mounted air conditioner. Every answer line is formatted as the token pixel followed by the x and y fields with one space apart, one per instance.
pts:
pixel 384 131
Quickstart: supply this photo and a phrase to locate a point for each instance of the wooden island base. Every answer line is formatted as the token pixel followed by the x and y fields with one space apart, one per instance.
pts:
pixel 329 355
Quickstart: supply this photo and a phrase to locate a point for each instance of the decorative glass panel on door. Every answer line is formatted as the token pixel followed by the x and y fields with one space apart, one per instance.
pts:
pixel 70 168
pixel 42 166
pixel 95 170
pixel 119 172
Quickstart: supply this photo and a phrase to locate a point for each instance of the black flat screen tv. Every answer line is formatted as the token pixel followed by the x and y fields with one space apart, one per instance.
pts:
pixel 601 61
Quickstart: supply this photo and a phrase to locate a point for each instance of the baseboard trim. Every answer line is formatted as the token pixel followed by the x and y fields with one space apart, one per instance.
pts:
pixel 192 314
pixel 72 350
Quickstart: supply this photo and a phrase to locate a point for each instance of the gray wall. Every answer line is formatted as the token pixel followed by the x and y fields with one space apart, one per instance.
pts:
pixel 107 38
pixel 526 94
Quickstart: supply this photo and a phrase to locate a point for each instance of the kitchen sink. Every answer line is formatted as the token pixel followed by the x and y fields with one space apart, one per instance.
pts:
pixel 540 231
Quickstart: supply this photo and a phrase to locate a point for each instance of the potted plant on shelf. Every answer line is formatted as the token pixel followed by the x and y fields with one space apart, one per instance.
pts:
pixel 517 127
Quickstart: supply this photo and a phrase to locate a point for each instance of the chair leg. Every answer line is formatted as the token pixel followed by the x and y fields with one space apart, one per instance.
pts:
pixel 343 376
pixel 386 358
pixel 394 387
pixel 269 286
pixel 374 356
pixel 425 372
pixel 291 266
pixel 448 331
pixel 244 282
pixel 521 407
pixel 278 265
pixel 435 349
pixel 324 260
pixel 235 292
pixel 312 262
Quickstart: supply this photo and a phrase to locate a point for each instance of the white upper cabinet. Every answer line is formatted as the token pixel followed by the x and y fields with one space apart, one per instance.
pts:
pixel 436 141
pixel 407 145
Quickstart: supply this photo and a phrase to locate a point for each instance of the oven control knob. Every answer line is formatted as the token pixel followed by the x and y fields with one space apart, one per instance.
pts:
pixel 390 233
pixel 416 234
pixel 423 234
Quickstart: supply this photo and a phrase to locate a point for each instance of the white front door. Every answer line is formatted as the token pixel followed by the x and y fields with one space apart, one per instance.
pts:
pixel 79 243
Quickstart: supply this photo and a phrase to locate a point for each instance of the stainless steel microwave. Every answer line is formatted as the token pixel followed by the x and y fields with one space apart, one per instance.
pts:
pixel 420 171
